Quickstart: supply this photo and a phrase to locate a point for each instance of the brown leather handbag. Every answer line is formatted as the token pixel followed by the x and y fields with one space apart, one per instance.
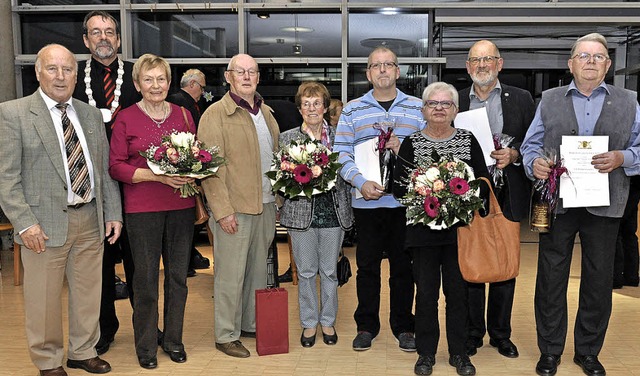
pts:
pixel 489 247
pixel 202 215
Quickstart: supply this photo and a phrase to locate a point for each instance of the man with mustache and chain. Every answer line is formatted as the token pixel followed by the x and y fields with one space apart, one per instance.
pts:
pixel 104 81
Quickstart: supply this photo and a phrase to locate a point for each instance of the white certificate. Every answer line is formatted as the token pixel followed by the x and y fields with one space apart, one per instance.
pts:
pixel 367 159
pixel 584 186
pixel 477 121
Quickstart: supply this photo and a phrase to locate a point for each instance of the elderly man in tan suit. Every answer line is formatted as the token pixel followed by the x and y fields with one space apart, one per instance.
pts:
pixel 56 191
pixel 240 197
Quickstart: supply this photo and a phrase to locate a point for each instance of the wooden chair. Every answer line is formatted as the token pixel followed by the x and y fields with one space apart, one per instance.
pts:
pixel 17 275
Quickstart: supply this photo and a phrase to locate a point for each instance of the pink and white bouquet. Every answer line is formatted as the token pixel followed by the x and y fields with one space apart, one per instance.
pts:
pixel 303 168
pixel 181 154
pixel 441 194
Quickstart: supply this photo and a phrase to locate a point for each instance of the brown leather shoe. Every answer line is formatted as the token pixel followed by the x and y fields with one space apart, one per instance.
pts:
pixel 93 365
pixel 53 372
pixel 234 348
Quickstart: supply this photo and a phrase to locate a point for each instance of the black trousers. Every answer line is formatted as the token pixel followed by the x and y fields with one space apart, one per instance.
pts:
pixel 625 268
pixel 430 264
pixel 109 323
pixel 597 238
pixel 165 234
pixel 383 229
pixel 498 307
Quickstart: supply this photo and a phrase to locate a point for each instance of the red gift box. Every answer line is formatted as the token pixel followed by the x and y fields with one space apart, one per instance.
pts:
pixel 272 321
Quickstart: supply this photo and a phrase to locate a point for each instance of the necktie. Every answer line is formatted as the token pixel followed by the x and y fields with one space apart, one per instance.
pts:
pixel 78 171
pixel 109 90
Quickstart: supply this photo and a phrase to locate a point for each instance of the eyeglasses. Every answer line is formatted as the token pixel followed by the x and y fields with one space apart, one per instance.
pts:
pixel 435 104
pixel 201 86
pixel 484 59
pixel 386 65
pixel 150 80
pixel 240 72
pixel 586 57
pixel 308 105
pixel 97 33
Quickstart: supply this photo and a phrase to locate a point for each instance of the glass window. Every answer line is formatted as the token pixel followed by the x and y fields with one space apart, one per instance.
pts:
pixel 282 81
pixel 300 34
pixel 68 2
pixel 186 35
pixel 413 79
pixel 38 30
pixel 403 33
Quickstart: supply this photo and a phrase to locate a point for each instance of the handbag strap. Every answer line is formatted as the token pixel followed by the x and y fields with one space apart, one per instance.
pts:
pixel 186 121
pixel 494 207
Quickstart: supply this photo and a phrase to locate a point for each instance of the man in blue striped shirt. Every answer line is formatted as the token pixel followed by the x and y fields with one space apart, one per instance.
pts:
pixel 380 218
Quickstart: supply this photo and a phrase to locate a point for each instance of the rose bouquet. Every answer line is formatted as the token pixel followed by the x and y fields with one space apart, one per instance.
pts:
pixel 303 168
pixel 441 194
pixel 181 154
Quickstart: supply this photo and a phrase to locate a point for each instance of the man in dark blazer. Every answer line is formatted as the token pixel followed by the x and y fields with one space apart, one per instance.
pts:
pixel 510 112
pixel 189 96
pixel 61 211
pixel 101 35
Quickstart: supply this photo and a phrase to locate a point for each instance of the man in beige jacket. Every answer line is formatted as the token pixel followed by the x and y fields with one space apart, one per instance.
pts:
pixel 240 197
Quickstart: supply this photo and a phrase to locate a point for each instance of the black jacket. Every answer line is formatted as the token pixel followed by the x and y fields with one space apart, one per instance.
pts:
pixel 518 110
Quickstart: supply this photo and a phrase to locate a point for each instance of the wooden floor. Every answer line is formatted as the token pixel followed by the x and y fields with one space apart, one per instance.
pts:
pixel 620 356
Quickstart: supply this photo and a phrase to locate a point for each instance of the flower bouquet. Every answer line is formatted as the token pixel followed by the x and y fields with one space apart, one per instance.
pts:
pixel 387 159
pixel 441 194
pixel 303 168
pixel 180 154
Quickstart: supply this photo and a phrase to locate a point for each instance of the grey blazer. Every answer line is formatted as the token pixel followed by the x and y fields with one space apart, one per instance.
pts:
pixel 33 188
pixel 296 214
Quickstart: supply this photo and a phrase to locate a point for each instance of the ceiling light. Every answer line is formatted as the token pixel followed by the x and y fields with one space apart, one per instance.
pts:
pixel 299 29
pixel 263 15
pixel 297 49
pixel 389 11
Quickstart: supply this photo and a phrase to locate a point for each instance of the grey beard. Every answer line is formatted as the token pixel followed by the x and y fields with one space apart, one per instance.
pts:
pixel 110 52
pixel 485 82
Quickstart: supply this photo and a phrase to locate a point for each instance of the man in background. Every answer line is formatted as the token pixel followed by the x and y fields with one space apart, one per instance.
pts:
pixel 105 83
pixel 189 96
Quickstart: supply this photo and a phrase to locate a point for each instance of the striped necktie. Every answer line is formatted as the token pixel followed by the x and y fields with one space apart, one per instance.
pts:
pixel 78 171
pixel 109 90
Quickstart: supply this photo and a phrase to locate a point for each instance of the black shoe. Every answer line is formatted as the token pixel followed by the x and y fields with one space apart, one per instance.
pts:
pixel 330 339
pixel 191 272
pixel 590 365
pixel 633 283
pixel 148 363
pixel 547 365
pixel 178 356
pixel 286 276
pixel 363 341
pixel 103 345
pixel 424 365
pixel 198 261
pixel 463 365
pixel 472 345
pixel 505 347
pixel 307 341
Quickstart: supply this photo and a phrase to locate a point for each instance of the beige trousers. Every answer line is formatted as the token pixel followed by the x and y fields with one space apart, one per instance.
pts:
pixel 80 260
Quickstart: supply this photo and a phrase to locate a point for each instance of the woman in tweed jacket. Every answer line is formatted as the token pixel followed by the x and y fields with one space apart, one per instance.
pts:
pixel 316 225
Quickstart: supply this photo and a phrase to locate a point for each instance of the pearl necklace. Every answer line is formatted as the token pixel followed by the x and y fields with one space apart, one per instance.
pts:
pixel 116 92
pixel 164 110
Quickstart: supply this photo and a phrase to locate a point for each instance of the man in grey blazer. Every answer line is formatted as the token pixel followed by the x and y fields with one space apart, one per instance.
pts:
pixel 60 227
